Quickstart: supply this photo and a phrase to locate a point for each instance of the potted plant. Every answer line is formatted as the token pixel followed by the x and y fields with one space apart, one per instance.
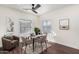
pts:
pixel 37 30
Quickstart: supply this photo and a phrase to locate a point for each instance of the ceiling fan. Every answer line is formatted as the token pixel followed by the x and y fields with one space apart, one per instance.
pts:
pixel 34 8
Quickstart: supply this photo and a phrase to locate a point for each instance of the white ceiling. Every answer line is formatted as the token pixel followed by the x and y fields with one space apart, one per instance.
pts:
pixel 43 9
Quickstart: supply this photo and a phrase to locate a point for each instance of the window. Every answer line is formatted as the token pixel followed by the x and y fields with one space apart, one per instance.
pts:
pixel 46 25
pixel 25 26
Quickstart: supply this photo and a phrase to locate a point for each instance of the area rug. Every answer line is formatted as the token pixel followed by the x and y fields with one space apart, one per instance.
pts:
pixel 37 50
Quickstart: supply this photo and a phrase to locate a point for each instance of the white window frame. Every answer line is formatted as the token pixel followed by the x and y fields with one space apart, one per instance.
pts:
pixel 26 28
pixel 46 26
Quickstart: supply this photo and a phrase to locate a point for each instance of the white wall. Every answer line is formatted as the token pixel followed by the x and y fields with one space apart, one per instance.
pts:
pixel 66 37
pixel 15 15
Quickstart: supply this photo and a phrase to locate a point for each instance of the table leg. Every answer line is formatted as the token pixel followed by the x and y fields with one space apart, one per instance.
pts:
pixel 33 45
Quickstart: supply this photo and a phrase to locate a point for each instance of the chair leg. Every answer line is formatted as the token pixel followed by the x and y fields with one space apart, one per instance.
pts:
pixel 46 45
pixel 25 49
pixel 36 45
pixel 41 47
pixel 29 45
pixel 21 47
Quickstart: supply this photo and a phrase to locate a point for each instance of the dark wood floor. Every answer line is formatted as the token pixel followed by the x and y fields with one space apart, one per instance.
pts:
pixel 60 49
pixel 54 49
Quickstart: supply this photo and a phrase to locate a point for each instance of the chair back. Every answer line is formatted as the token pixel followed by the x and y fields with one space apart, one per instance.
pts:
pixel 44 37
pixel 23 39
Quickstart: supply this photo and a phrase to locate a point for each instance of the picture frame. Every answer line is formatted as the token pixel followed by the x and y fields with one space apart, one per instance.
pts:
pixel 64 24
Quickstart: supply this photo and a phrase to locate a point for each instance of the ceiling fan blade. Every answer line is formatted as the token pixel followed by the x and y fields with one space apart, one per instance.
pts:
pixel 35 11
pixel 37 6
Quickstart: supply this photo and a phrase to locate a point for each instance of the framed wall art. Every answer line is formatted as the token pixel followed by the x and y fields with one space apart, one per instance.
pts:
pixel 64 24
pixel 10 25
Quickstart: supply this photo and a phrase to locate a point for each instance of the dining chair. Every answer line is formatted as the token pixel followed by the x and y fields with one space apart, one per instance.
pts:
pixel 40 40
pixel 26 42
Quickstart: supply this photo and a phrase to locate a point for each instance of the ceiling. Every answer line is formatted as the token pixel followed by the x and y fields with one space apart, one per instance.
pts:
pixel 43 9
